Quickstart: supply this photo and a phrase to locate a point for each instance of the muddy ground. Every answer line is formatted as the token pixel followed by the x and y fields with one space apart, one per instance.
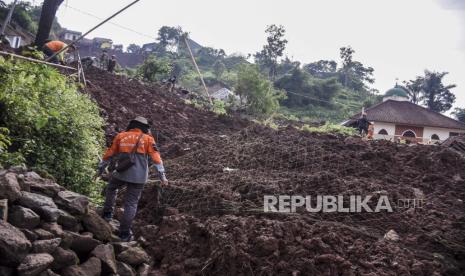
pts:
pixel 210 220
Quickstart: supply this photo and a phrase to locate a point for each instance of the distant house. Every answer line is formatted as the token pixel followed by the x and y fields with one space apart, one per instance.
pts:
pixel 102 43
pixel 68 35
pixel 118 47
pixel 397 118
pixel 17 36
pixel 224 94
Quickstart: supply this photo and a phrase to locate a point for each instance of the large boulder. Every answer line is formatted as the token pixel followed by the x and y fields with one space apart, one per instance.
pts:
pixel 30 235
pixel 42 205
pixel 48 272
pixel 134 256
pixel 74 203
pixel 14 246
pixel 23 217
pixel 125 270
pixel 45 246
pixel 68 221
pixel 53 228
pixel 41 185
pixel 81 244
pixel 91 267
pixel 43 234
pixel 34 264
pixel 64 258
pixel 95 224
pixel 9 187
pixel 106 254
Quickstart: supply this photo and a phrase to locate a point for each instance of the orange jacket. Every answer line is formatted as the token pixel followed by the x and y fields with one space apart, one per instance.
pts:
pixel 56 45
pixel 125 141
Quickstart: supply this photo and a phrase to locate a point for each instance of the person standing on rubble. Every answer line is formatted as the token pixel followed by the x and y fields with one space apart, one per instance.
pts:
pixel 363 124
pixel 131 154
pixel 104 60
pixel 112 64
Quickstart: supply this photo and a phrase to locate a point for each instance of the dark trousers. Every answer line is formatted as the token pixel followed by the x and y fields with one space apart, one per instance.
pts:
pixel 133 193
pixel 49 52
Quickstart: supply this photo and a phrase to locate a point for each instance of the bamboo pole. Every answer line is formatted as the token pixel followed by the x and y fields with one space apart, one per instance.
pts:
pixel 91 30
pixel 37 61
pixel 197 68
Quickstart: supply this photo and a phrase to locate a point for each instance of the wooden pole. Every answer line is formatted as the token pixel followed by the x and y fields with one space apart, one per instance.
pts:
pixel 198 70
pixel 37 61
pixel 91 30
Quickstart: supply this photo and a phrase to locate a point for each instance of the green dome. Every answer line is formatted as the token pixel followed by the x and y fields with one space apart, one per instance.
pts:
pixel 396 91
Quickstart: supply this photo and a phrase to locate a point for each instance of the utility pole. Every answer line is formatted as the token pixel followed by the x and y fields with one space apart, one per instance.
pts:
pixel 8 18
pixel 197 68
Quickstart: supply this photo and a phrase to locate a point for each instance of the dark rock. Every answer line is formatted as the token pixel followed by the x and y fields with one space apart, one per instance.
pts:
pixel 74 203
pixel 66 240
pixel 121 246
pixel 24 186
pixel 43 235
pixel 53 228
pixel 45 246
pixel 91 267
pixel 83 244
pixel 30 235
pixel 193 263
pixel 14 245
pixel 176 269
pixel 143 270
pixel 134 256
pixel 48 272
pixel 34 264
pixel 41 185
pixel 9 187
pixel 114 224
pixel 106 254
pixel 95 224
pixel 64 258
pixel 6 271
pixel 68 221
pixel 18 169
pixel 42 205
pixel 149 230
pixel 125 270
pixel 23 217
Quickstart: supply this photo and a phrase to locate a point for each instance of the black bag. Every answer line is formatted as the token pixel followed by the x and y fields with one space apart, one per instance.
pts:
pixel 125 162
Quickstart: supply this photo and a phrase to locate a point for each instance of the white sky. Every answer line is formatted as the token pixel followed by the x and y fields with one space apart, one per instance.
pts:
pixel 398 38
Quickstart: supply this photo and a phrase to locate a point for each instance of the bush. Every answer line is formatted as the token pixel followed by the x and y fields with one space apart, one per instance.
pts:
pixel 153 69
pixel 331 128
pixel 54 127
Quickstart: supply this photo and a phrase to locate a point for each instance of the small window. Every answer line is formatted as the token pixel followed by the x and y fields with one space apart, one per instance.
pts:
pixel 409 133
pixel 434 137
pixel 383 132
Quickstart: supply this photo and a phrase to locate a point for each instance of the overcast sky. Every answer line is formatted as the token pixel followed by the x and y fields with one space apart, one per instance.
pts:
pixel 398 38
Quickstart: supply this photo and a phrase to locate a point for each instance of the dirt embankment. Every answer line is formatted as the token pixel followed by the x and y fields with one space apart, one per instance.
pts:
pixel 211 219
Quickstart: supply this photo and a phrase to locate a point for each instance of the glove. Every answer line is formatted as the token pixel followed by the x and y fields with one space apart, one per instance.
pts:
pixel 102 166
pixel 161 173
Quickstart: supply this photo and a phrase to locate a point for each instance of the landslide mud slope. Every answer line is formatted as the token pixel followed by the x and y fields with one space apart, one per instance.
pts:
pixel 210 219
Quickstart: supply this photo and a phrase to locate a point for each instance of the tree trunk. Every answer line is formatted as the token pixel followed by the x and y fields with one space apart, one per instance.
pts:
pixel 49 9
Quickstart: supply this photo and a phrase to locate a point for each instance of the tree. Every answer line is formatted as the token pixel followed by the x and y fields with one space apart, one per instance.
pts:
pixel 459 113
pixel 218 69
pixel 152 68
pixel 435 95
pixel 260 95
pixel 207 56
pixel 169 37
pixel 47 16
pixel 303 90
pixel 274 49
pixel 133 48
pixel 286 65
pixel 354 74
pixel 322 68
pixel 414 89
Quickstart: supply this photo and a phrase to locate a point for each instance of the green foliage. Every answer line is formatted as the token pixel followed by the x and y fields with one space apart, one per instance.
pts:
pixel 219 107
pixel 304 90
pixel 267 58
pixel 331 128
pixel 354 74
pixel 53 126
pixel 133 48
pixel 5 141
pixel 435 95
pixel 153 68
pixel 218 69
pixel 260 95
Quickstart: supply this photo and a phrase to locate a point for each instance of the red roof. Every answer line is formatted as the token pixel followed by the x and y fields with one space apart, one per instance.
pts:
pixel 407 113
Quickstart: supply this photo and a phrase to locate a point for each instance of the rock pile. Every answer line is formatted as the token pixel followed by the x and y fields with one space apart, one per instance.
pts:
pixel 52 231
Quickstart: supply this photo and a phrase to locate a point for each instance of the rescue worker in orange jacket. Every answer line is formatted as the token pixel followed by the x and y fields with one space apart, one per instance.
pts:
pixel 54 46
pixel 135 141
